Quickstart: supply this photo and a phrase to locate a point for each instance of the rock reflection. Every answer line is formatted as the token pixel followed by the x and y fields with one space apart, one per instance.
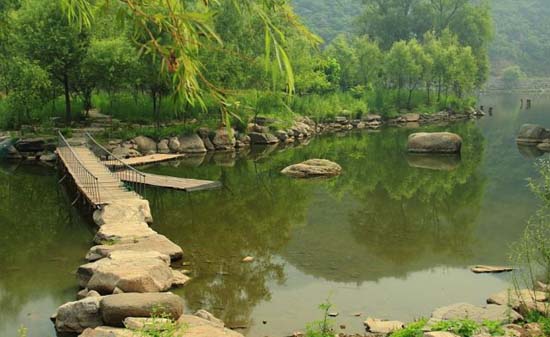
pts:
pixel 435 162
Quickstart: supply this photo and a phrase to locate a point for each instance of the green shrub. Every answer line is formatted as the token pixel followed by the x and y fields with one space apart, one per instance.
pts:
pixel 462 327
pixel 414 329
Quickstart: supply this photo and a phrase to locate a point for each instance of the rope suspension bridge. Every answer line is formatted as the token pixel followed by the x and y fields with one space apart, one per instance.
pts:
pixel 103 178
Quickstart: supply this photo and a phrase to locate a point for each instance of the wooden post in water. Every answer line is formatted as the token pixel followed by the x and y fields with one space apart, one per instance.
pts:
pixel 490 111
pixel 529 104
pixel 521 106
pixel 482 108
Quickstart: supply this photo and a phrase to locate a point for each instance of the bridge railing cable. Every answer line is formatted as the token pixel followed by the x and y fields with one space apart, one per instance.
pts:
pixel 133 179
pixel 85 179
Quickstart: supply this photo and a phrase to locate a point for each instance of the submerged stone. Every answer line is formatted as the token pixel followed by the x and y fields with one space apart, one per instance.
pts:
pixel 313 168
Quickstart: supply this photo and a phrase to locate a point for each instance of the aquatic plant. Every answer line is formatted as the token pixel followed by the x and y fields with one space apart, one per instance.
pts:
pixel 323 327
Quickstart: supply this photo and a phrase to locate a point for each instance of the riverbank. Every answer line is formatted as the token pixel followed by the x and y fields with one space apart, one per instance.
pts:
pixel 259 131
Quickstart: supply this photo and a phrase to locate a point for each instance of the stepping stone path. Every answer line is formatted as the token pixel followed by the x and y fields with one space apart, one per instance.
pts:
pixel 131 268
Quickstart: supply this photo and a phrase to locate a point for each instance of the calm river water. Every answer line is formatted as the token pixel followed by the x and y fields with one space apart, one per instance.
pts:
pixel 391 238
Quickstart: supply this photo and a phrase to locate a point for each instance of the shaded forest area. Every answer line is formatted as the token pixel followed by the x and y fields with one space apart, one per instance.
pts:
pixel 520 30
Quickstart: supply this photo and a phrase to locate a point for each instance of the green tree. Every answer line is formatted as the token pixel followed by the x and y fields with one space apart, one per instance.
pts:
pixel 29 89
pixel 45 35
pixel 110 65
pixel 512 76
pixel 400 67
pixel 345 54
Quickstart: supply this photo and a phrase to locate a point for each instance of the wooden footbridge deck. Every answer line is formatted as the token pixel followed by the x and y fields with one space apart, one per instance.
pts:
pixel 102 178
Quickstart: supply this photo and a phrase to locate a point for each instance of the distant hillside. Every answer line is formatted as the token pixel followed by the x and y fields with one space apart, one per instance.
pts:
pixel 328 18
pixel 522 29
pixel 522 35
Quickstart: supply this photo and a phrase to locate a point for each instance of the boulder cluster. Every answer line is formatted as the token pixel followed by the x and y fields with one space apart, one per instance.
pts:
pixel 534 135
pixel 125 283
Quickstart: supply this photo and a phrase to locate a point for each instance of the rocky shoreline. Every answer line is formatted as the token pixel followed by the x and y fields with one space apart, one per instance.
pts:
pixel 261 131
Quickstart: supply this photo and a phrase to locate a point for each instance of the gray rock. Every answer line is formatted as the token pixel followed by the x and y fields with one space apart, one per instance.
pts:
pixel 532 134
pixel 145 145
pixel 224 139
pixel 209 317
pixel 107 331
pixel 116 308
pixel 313 168
pixel 191 144
pixel 208 144
pixel 123 151
pixel 437 142
pixel 138 323
pixel 262 138
pixel 515 298
pixel 410 118
pixel 163 147
pixel 157 242
pixel 129 271
pixel 281 135
pixel 48 157
pixel 31 145
pixel 478 314
pixel 79 315
pixel 135 211
pixel 174 144
pixel 199 327
pixel 381 326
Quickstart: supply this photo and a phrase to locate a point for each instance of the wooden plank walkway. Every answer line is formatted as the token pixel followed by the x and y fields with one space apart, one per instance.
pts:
pixel 151 159
pixel 183 184
pixel 108 188
pixel 100 186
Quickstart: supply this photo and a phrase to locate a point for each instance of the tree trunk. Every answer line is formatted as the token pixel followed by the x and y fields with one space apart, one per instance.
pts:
pixel 439 90
pixel 67 98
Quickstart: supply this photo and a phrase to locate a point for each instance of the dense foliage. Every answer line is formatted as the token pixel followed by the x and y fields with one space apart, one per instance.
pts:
pixel 521 27
pixel 240 58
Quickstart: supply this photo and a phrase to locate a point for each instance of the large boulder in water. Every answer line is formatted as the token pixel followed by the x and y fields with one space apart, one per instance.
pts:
pixel 436 142
pixel 116 308
pixel 78 315
pixel 129 271
pixel 156 242
pixel 262 138
pixel 313 168
pixel 532 134
pixel 191 144
pixel 224 139
pixel 145 145
pixel 491 312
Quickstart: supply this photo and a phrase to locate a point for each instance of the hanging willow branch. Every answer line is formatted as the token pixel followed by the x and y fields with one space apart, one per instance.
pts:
pixel 175 31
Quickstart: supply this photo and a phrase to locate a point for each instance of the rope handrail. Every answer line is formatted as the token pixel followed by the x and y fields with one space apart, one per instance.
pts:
pixel 111 155
pixel 87 179
pixel 67 145
pixel 132 178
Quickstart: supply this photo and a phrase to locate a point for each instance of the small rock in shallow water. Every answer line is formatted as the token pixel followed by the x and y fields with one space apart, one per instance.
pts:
pixel 333 314
pixel 248 259
pixel 313 168
pixel 380 326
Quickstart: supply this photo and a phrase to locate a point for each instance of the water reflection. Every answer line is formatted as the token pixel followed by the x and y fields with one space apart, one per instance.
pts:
pixel 391 237
pixel 42 242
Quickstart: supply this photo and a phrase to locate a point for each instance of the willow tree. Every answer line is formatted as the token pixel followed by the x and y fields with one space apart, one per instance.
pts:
pixel 175 31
